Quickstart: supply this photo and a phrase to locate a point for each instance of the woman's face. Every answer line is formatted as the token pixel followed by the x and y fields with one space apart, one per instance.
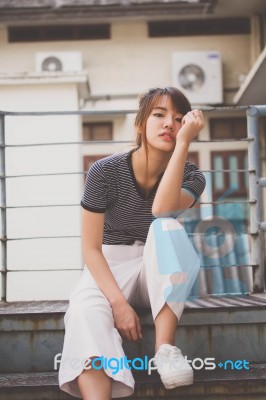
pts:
pixel 162 125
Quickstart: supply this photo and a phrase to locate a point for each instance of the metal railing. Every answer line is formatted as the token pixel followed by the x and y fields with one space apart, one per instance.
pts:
pixel 257 226
pixel 256 182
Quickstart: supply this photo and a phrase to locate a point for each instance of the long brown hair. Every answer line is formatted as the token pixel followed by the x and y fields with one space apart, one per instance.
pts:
pixel 147 102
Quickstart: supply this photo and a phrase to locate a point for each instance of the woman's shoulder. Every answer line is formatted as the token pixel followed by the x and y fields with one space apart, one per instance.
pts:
pixel 112 160
pixel 191 166
pixel 192 170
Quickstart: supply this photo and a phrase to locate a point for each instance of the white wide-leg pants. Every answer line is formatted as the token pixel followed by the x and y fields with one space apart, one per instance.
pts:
pixel 161 271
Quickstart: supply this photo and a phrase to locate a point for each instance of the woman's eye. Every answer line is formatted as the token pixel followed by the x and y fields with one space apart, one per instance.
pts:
pixel 179 119
pixel 158 115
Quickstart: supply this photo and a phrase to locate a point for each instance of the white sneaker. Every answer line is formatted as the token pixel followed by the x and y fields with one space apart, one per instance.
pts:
pixel 173 367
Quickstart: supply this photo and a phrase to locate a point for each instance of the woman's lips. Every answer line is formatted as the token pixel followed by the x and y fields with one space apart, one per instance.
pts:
pixel 167 136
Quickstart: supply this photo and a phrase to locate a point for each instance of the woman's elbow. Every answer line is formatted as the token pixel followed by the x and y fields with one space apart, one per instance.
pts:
pixel 162 213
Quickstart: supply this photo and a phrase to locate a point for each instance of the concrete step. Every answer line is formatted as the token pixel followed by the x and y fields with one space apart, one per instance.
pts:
pixel 223 328
pixel 218 384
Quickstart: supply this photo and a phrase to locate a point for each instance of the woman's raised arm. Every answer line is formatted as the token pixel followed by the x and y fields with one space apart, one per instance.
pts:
pixel 169 202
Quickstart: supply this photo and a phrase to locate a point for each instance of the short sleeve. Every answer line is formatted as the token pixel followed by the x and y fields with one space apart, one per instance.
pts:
pixel 95 195
pixel 193 180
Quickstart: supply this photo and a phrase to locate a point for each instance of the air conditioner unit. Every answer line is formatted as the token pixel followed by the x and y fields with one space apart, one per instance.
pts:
pixel 199 75
pixel 65 61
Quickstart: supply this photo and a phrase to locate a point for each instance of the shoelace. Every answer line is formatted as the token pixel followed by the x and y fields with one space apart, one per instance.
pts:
pixel 171 351
pixel 170 356
pixel 174 353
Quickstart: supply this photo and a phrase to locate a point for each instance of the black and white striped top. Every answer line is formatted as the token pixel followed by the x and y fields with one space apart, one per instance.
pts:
pixel 111 188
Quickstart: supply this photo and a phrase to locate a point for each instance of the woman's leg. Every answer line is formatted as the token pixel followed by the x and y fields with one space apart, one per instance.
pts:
pixel 95 385
pixel 165 327
pixel 90 332
pixel 170 269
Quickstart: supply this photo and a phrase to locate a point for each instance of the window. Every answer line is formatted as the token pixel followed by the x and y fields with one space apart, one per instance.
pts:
pixel 58 32
pixel 231 186
pixel 233 183
pixel 97 131
pixel 229 128
pixel 214 26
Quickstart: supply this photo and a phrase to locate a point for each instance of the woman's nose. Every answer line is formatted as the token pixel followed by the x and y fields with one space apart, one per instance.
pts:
pixel 169 122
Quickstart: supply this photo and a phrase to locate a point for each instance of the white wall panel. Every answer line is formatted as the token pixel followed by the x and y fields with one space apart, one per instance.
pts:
pixel 41 285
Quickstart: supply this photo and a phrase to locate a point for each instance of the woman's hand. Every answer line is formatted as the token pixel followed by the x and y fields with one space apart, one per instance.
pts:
pixel 192 124
pixel 126 321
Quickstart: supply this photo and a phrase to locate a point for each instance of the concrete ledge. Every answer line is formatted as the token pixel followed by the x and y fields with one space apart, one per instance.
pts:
pixel 232 309
pixel 210 302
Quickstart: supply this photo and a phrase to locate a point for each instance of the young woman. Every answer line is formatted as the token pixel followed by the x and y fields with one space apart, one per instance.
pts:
pixel 135 251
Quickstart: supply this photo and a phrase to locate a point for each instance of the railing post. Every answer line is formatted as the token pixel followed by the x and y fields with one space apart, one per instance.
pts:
pixel 3 205
pixel 255 199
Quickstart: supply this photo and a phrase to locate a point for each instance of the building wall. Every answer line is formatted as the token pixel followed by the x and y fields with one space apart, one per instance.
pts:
pixel 130 61
pixel 42 269
pixel 127 64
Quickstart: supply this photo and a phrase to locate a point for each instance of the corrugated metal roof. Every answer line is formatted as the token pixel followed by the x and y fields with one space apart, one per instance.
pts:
pixel 48 11
pixel 35 4
pixel 252 300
